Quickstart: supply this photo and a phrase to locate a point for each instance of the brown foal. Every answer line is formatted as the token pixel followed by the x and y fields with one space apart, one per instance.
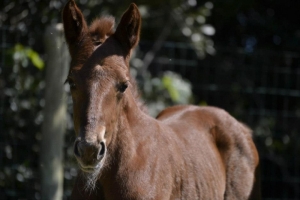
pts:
pixel 187 152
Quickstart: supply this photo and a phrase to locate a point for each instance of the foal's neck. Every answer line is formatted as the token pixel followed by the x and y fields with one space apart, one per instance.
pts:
pixel 133 123
pixel 130 135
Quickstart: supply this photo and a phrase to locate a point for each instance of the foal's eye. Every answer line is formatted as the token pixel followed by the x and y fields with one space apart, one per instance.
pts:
pixel 71 84
pixel 122 87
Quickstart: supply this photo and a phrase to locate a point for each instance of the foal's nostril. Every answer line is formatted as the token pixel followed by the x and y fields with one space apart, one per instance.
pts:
pixel 101 151
pixel 77 150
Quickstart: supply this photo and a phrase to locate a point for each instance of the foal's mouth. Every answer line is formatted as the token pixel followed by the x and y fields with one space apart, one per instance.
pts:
pixel 91 168
pixel 90 157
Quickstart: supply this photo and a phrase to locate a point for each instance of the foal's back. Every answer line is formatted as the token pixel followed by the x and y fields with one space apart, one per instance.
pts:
pixel 214 151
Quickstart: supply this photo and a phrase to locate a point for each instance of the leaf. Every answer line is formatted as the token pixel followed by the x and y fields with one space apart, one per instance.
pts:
pixel 23 54
pixel 35 59
pixel 203 103
pixel 173 92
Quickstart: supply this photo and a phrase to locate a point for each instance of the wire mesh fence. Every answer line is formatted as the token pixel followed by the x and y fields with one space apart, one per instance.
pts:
pixel 261 88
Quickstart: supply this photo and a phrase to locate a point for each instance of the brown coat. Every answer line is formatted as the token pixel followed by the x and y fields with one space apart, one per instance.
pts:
pixel 187 152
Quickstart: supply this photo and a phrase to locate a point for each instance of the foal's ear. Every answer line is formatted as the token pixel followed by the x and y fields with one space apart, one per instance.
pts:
pixel 75 25
pixel 128 30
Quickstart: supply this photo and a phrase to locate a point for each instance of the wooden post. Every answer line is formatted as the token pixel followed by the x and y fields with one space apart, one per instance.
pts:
pixel 55 112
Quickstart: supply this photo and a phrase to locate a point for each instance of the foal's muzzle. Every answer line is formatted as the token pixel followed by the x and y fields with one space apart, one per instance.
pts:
pixel 90 154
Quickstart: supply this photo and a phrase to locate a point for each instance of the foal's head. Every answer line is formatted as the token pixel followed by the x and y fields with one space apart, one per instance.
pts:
pixel 99 79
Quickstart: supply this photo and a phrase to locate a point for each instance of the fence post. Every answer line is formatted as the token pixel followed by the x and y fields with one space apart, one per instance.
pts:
pixel 55 111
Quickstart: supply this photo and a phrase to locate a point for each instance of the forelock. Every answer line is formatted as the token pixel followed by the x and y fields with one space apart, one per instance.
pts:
pixel 103 26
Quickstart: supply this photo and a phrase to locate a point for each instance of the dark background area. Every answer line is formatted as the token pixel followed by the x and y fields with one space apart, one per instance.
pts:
pixel 250 67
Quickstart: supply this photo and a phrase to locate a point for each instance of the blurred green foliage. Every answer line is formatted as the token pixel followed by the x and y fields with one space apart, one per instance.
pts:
pixel 23 54
pixel 166 90
pixel 22 99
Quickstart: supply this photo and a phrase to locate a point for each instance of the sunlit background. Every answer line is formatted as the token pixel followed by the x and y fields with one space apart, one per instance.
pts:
pixel 242 56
